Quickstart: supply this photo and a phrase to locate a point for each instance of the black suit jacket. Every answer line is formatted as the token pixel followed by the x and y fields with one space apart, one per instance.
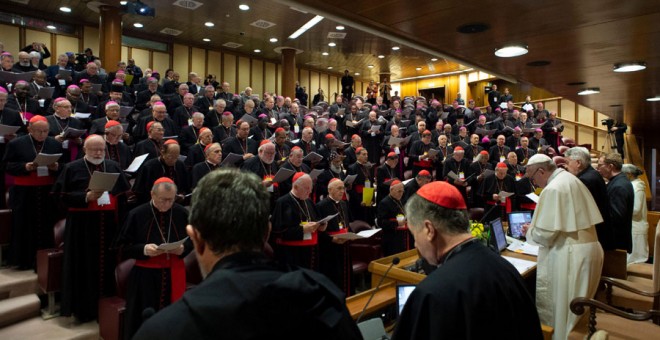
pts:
pixel 596 185
pixel 622 201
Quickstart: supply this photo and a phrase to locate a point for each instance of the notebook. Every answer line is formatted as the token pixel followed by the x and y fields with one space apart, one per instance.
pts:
pixel 516 221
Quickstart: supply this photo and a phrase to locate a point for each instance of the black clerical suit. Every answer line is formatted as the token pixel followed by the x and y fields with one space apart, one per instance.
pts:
pixel 148 146
pixel 596 185
pixel 493 185
pixel 364 179
pixel 292 246
pixel 156 168
pixel 622 200
pixel 384 174
pixel 200 170
pixel 335 259
pixel 239 147
pixel 119 153
pixel 395 238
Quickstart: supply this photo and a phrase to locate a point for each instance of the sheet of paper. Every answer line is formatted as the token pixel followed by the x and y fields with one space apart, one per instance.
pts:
pixel 81 115
pixel 520 264
pixel 313 157
pixel 44 159
pixel 46 92
pixel 248 118
pixel 42 171
pixel 137 162
pixel 315 173
pixel 452 175
pixel 12 77
pixel 73 133
pixel 327 218
pixel 124 111
pixel 524 247
pixel 103 181
pixel 231 160
pixel 341 112
pixel 361 235
pixel 505 194
pixel 350 179
pixel 375 128
pixel 8 129
pixel 488 173
pixel 171 246
pixel 96 87
pixel 64 74
pixel 104 199
pixel 282 175
pixel 533 196
pixel 433 152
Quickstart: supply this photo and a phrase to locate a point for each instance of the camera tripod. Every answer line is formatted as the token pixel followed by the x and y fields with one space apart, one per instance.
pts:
pixel 611 141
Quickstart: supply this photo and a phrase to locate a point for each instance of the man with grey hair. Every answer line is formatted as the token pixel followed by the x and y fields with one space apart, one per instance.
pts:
pixel 23 64
pixel 570 257
pixel 579 164
pixel 487 284
pixel 622 199
pixel 214 117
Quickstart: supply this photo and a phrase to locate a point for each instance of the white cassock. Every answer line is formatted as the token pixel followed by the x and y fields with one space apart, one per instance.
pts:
pixel 640 225
pixel 570 257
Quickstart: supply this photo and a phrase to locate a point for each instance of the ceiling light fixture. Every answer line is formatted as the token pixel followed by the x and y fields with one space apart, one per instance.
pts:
pixel 370 66
pixel 209 24
pixel 589 90
pixel 138 25
pixel 243 7
pixel 332 44
pixel 357 73
pixel 311 23
pixel 340 28
pixel 257 51
pixel 629 67
pixel 381 56
pixel 418 68
pixel 206 39
pixel 511 51
pixel 653 99
pixel 329 67
pixel 395 48
pixel 123 3
pixel 65 9
pixel 51 27
pixel 273 40
pixel 434 59
pixel 325 53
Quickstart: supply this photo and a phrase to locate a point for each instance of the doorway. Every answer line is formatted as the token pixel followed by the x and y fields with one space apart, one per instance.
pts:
pixel 433 93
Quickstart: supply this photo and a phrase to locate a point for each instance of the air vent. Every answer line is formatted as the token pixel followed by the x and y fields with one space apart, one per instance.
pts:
pixel 313 63
pixel 232 44
pixel 170 31
pixel 263 24
pixel 538 63
pixel 188 4
pixel 336 35
pixel 576 83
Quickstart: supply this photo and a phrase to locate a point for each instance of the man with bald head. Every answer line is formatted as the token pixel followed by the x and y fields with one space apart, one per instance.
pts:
pixel 391 216
pixel 213 154
pixel 91 72
pixel 241 144
pixel 177 99
pixel 158 114
pixel 183 114
pixel 166 165
pixel 31 222
pixel 91 226
pixel 60 124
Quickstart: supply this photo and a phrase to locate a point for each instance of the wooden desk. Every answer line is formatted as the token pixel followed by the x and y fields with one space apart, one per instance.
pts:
pixel 385 296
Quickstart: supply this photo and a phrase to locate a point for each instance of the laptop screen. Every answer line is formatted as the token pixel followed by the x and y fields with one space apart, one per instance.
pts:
pixel 498 234
pixel 402 294
pixel 516 221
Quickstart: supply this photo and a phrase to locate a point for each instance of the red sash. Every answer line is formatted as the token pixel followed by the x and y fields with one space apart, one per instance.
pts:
pixel 93 206
pixel 339 232
pixel 423 164
pixel 299 243
pixel 528 206
pixel 506 204
pixel 32 180
pixel 177 272
pixel 359 188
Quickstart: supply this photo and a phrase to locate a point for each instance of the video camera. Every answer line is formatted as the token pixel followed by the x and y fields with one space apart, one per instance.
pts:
pixel 608 122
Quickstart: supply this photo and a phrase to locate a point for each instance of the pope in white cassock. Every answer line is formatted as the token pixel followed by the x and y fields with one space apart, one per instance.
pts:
pixel 570 257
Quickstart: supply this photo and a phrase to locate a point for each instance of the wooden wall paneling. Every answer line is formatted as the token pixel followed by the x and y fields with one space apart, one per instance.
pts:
pixel 124 57
pixel 463 86
pixel 10 37
pixel 304 81
pixel 161 62
pixel 180 61
pixel 601 140
pixel 65 43
pixel 567 109
pixel 91 39
pixel 243 73
pixel 229 69
pixel 333 86
pixel 257 83
pixel 197 62
pixel 141 57
pixel 40 37
pixel 599 119
pixel 569 131
pixel 585 115
pixel 324 83
pixel 552 105
pixel 213 65
pixel 585 136
pixel 270 79
pixel 314 84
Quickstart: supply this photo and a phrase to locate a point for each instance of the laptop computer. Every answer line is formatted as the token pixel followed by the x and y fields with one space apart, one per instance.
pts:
pixel 402 294
pixel 498 237
pixel 516 221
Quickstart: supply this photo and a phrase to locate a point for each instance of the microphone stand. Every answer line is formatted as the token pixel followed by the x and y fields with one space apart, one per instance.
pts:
pixel 395 261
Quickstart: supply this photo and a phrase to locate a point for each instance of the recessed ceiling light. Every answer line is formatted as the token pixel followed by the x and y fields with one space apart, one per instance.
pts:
pixel 381 56
pixel 273 40
pixel 629 67
pixel 325 53
pixel 138 25
pixel 123 3
pixel 434 59
pixel 308 25
pixel 418 68
pixel 357 73
pixel 370 66
pixel 329 67
pixel 576 83
pixel 332 44
pixel 209 24
pixel 65 9
pixel 653 99
pixel 206 39
pixel 51 27
pixel 395 48
pixel 243 7
pixel 340 28
pixel 511 51
pixel 589 90
pixel 257 51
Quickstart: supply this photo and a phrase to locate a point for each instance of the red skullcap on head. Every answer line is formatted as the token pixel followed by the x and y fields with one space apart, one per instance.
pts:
pixel 226 113
pixel 279 129
pixel 171 141
pixel 207 147
pixel 395 182
pixel 501 165
pixel 111 123
pixel 459 149
pixel 358 150
pixel 204 129
pixel 164 180
pixel 329 136
pixel 265 141
pixel 295 148
pixel 484 152
pixel 38 119
pixel 442 194
pixel 354 136
pixel 334 179
pixel 426 132
pixel 392 155
pixel 297 176
pixel 239 122
pixel 424 173
pixel 149 125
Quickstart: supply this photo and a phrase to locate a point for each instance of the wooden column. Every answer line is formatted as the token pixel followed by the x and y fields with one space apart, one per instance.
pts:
pixel 288 76
pixel 110 36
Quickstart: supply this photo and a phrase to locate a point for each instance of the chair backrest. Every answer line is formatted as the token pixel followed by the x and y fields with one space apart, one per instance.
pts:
pixel 122 271
pixel 58 233
pixel 656 262
pixel 358 226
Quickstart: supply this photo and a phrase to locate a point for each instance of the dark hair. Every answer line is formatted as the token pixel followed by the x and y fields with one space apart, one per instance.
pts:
pixel 230 210
pixel 449 221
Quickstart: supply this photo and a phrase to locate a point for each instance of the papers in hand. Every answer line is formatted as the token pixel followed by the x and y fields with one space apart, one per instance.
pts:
pixel 533 196
pixel 282 175
pixel 524 247
pixel 520 264
pixel 96 87
pixel 124 111
pixel 44 159
pixel 231 159
pixel 8 129
pixel 350 179
pixel 341 112
pixel 433 152
pixel 353 236
pixel 102 181
pixel 327 218
pixel 137 162
pixel 350 123
pixel 313 157
pixel 70 132
pixel 64 74
pixel 172 246
pixel 104 199
pixel 315 174
pixel 46 92
pixel 453 175
pixel 374 128
pixel 505 194
pixel 11 77
pixel 488 173
pixel 81 115
pixel 249 118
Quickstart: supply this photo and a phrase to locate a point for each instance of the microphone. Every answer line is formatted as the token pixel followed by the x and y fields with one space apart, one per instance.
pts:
pixel 148 313
pixel 395 261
